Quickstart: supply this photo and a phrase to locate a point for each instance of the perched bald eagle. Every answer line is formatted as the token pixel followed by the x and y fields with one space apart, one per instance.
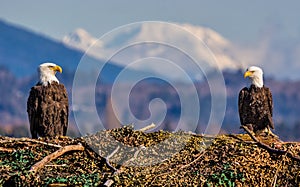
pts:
pixel 256 103
pixel 47 104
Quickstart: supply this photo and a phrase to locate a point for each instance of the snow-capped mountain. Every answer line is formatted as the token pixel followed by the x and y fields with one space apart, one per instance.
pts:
pixel 160 48
pixel 80 39
pixel 164 47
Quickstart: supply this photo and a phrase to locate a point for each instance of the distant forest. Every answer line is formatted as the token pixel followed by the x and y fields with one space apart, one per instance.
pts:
pixel 14 92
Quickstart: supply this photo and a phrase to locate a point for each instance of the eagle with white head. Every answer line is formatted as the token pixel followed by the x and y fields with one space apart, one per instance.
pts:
pixel 256 104
pixel 47 104
pixel 47 73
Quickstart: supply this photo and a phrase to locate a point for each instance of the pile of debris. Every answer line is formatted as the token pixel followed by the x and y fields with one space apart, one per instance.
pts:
pixel 126 157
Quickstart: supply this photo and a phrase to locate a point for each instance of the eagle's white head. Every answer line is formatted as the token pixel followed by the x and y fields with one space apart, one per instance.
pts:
pixel 47 73
pixel 256 75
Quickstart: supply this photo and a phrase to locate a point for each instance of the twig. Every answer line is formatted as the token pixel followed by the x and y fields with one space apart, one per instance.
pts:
pixel 262 145
pixel 112 153
pixel 45 143
pixel 288 143
pixel 109 156
pixel 207 136
pixel 29 140
pixel 55 165
pixel 55 155
pixel 179 168
pixel 274 181
pixel 108 183
pixel 134 155
pixel 198 158
pixel 240 139
pixel 58 184
pixel 268 148
pixel 151 126
pixel 9 150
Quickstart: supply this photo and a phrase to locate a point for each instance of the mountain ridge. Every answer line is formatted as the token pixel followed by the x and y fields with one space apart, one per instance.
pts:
pixel 269 51
pixel 22 51
pixel 158 40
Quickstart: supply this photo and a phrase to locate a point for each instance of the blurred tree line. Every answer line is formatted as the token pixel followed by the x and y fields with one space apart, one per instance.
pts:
pixel 285 132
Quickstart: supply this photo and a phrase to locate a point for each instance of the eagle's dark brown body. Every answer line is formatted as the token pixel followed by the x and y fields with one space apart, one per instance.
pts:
pixel 48 110
pixel 256 108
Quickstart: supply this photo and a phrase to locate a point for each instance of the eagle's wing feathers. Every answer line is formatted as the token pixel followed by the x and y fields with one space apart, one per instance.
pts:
pixel 48 110
pixel 270 101
pixel 60 109
pixel 270 106
pixel 65 104
pixel 241 100
pixel 32 108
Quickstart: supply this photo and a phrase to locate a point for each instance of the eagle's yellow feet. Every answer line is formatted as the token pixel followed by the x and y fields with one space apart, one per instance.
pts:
pixel 267 133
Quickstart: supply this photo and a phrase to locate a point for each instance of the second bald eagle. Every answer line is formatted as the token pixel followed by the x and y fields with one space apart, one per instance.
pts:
pixel 47 104
pixel 256 103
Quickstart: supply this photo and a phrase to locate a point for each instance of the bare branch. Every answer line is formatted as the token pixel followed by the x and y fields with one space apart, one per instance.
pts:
pixel 109 156
pixel 55 155
pixel 151 126
pixel 29 140
pixel 268 148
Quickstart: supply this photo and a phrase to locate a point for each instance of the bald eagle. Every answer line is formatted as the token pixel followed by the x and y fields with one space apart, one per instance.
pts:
pixel 47 104
pixel 256 103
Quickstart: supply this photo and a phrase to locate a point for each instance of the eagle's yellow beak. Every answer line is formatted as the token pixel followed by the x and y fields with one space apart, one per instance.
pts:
pixel 57 68
pixel 248 73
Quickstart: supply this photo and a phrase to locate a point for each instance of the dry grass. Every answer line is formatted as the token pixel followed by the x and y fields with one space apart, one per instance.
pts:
pixel 124 157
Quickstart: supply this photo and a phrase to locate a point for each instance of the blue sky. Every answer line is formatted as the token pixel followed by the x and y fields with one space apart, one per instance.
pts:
pixel 239 21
